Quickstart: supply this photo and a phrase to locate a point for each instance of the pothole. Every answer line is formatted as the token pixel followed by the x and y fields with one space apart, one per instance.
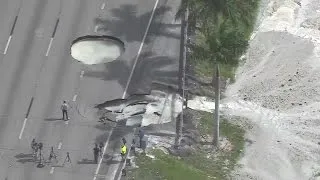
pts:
pixel 92 50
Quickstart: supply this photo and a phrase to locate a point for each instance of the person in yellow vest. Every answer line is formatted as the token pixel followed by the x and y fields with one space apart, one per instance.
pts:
pixel 123 151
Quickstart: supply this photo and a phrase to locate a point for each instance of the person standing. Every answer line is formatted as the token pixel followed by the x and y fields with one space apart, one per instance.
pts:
pixel 123 151
pixel 52 155
pixel 141 135
pixel 96 153
pixel 64 108
pixel 34 146
pixel 124 141
pixel 100 149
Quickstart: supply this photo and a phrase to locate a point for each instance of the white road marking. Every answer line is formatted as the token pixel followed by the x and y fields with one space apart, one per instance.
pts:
pixel 81 74
pixel 7 45
pixel 104 151
pixel 23 126
pixel 140 49
pixel 49 47
pixel 96 28
pixel 74 98
pixel 59 145
pixel 52 170
pixel 67 122
pixel 103 5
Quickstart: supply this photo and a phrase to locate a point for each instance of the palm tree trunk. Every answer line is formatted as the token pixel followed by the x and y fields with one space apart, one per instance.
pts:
pixel 216 78
pixel 182 67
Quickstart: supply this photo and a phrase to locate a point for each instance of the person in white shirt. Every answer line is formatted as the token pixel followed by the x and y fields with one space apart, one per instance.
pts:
pixel 64 108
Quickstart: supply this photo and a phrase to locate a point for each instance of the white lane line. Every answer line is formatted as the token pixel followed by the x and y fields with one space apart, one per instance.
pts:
pixel 104 151
pixel 52 170
pixel 103 5
pixel 140 49
pixel 81 74
pixel 49 47
pixel 7 45
pixel 59 145
pixel 23 126
pixel 96 28
pixel 67 122
pixel 74 98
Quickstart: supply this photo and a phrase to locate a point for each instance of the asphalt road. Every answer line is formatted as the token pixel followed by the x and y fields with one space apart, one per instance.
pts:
pixel 37 73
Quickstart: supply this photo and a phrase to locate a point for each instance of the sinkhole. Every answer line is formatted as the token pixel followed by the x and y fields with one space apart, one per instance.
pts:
pixel 92 50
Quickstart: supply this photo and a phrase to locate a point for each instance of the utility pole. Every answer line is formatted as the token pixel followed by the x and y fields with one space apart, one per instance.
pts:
pixel 216 81
pixel 182 67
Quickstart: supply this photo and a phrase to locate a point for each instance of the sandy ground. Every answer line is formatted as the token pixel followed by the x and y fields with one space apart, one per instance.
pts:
pixel 278 89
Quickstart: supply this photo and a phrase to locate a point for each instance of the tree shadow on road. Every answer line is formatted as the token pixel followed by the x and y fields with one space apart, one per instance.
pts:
pixel 148 68
pixel 131 27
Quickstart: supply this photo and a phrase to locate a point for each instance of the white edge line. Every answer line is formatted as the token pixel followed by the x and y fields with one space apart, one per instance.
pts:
pixel 104 151
pixel 140 48
pixel 74 98
pixel 103 5
pixel 7 45
pixel 51 170
pixel 81 74
pixel 60 144
pixel 49 47
pixel 124 164
pixel 23 126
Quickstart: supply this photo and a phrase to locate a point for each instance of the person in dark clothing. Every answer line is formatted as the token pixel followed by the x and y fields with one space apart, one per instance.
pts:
pixel 34 146
pixel 64 108
pixel 141 135
pixel 124 141
pixel 133 146
pixel 100 149
pixel 96 153
pixel 40 145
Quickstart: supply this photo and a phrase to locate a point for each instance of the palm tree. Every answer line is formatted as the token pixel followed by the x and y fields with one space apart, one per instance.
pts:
pixel 224 26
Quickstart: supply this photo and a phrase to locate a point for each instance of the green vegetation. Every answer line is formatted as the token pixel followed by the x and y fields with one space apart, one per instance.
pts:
pixel 164 167
pixel 196 166
pixel 231 131
pixel 222 28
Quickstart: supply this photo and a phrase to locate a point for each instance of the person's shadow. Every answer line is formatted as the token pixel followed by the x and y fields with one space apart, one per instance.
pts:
pixel 87 161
